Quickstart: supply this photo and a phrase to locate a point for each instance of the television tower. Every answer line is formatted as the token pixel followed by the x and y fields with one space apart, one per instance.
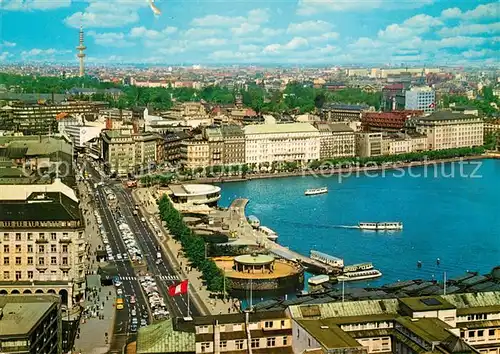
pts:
pixel 81 52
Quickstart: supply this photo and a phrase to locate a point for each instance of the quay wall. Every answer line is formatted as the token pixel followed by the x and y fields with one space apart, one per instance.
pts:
pixel 328 172
pixel 287 282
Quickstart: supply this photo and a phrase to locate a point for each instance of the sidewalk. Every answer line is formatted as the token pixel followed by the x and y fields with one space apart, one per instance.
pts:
pixel 92 339
pixel 179 261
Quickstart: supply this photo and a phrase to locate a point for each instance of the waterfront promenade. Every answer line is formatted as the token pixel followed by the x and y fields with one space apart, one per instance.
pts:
pixel 247 232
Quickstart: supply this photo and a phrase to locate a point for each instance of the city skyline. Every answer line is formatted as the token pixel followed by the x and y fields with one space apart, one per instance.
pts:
pixel 302 32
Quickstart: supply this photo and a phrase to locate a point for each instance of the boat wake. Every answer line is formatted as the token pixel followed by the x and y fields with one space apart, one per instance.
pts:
pixel 346 226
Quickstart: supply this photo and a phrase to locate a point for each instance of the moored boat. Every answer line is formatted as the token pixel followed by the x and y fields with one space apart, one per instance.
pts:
pixel 270 234
pixel 327 259
pixel 315 191
pixel 318 279
pixel 380 226
pixel 253 221
pixel 358 267
pixel 360 275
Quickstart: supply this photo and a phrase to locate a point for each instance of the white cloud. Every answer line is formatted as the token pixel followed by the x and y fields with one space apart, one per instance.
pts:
pixel 317 26
pixel 143 32
pixel 31 5
pixel 245 29
pixel 255 16
pixel 311 7
pixel 7 44
pixel 248 48
pixel 294 44
pixel 37 53
pixel 415 25
pixel 325 37
pixel 4 56
pixel 211 42
pixel 230 55
pixel 484 11
pixel 195 33
pixel 104 14
pixel 111 39
pixel 272 32
pixel 455 42
pixel 470 29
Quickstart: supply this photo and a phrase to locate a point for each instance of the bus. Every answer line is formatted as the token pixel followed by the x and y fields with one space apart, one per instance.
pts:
pixel 119 303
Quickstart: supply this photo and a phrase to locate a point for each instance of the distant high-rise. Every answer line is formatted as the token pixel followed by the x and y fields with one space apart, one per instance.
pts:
pixel 81 53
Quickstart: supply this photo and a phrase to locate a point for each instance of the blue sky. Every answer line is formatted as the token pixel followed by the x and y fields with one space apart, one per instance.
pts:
pixel 330 32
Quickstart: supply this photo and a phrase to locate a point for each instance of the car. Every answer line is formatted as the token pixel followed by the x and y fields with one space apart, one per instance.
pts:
pixel 111 258
pixel 118 283
pixel 144 322
pixel 133 312
pixel 143 219
pixel 132 300
pixel 119 256
pixel 145 315
pixel 134 320
pixel 119 291
pixel 133 328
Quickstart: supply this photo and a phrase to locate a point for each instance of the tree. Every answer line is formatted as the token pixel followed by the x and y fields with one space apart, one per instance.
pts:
pixel 319 100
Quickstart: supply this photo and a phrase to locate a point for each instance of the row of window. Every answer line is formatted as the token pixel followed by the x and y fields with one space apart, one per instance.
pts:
pixel 30 236
pixel 29 249
pixel 477 335
pixel 18 275
pixel 29 261
pixel 239 344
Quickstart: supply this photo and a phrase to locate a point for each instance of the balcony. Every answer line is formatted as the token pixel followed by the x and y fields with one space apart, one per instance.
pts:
pixel 66 239
pixel 41 266
pixel 41 240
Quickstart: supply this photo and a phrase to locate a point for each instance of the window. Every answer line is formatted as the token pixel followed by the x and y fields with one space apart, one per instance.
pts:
pixel 41 249
pixel 255 343
pixel 30 274
pixel 491 332
pixel 239 343
pixel 53 236
pixel 6 260
pixel 285 340
pixel 41 261
pixel 223 344
pixel 472 334
pixel 53 248
pixel 65 260
pixel 18 275
pixel 271 342
pixel 30 260
pixel 203 329
pixel 53 260
pixel 18 248
pixel 268 324
pixel 30 236
pixel 6 236
pixel 480 333
pixel 6 275
pixel 41 235
pixel 18 260
pixel 65 273
pixel 18 236
pixel 205 346
pixel 282 323
pixel 65 249
pixel 5 248
pixel 30 248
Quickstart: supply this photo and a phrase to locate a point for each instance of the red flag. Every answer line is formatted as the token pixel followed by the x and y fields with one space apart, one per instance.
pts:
pixel 178 289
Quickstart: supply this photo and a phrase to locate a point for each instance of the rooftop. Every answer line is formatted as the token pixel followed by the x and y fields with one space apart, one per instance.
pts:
pixel 187 190
pixel 22 192
pixel 279 128
pixel 426 303
pixel 429 329
pixel 258 259
pixel 22 312
pixel 329 334
pixel 163 338
pixel 239 317
pixel 447 115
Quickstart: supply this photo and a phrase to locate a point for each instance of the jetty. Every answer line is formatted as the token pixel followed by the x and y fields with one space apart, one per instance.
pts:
pixel 238 222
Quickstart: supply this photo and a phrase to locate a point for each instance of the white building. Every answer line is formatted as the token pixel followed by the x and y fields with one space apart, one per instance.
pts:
pixel 421 99
pixel 267 143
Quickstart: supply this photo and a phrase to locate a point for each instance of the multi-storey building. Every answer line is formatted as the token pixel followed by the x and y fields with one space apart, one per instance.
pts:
pixel 389 94
pixel 234 144
pixel 30 324
pixel 215 145
pixel 172 146
pixel 195 153
pixel 43 247
pixel 447 130
pixel 124 152
pixel 267 143
pixel 40 119
pixel 403 143
pixel 336 140
pixel 262 332
pixel 458 323
pixel 492 127
pixel 368 144
pixel 387 121
pixel 420 99
pixel 191 114
pixel 342 112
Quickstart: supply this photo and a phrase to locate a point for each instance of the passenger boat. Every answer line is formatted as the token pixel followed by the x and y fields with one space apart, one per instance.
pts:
pixel 318 279
pixel 380 226
pixel 254 221
pixel 327 259
pixel 315 191
pixel 358 267
pixel 270 234
pixel 360 275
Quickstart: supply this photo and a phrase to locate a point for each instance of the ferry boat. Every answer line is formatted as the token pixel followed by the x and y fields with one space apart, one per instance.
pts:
pixel 254 221
pixel 358 267
pixel 327 259
pixel 315 191
pixel 380 226
pixel 318 279
pixel 270 234
pixel 360 275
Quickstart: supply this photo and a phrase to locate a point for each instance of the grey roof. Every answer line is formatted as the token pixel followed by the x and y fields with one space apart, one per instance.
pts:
pixel 447 115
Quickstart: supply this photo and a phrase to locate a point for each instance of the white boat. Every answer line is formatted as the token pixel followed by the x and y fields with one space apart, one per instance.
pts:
pixel 270 234
pixel 318 279
pixel 380 226
pixel 327 259
pixel 315 191
pixel 253 221
pixel 357 267
pixel 360 275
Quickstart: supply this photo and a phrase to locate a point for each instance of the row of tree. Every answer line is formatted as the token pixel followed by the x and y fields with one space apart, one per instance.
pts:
pixel 485 104
pixel 193 246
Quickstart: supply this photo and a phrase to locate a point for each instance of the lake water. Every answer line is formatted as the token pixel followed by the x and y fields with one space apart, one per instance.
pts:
pixel 453 218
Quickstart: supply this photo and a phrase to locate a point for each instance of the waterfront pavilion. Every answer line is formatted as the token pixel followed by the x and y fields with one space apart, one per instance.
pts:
pixel 254 263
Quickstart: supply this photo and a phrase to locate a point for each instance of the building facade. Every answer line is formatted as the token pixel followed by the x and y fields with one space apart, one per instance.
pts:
pixel 195 153
pixel 336 140
pixel 268 143
pixel 403 143
pixel 172 146
pixel 43 247
pixel 387 121
pixel 234 145
pixel 420 99
pixel 342 112
pixel 30 324
pixel 447 130
pixel 368 144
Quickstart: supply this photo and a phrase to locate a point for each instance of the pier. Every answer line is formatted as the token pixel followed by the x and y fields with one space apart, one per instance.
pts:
pixel 237 221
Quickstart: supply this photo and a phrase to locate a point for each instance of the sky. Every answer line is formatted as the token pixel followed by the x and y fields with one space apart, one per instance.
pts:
pixel 299 32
